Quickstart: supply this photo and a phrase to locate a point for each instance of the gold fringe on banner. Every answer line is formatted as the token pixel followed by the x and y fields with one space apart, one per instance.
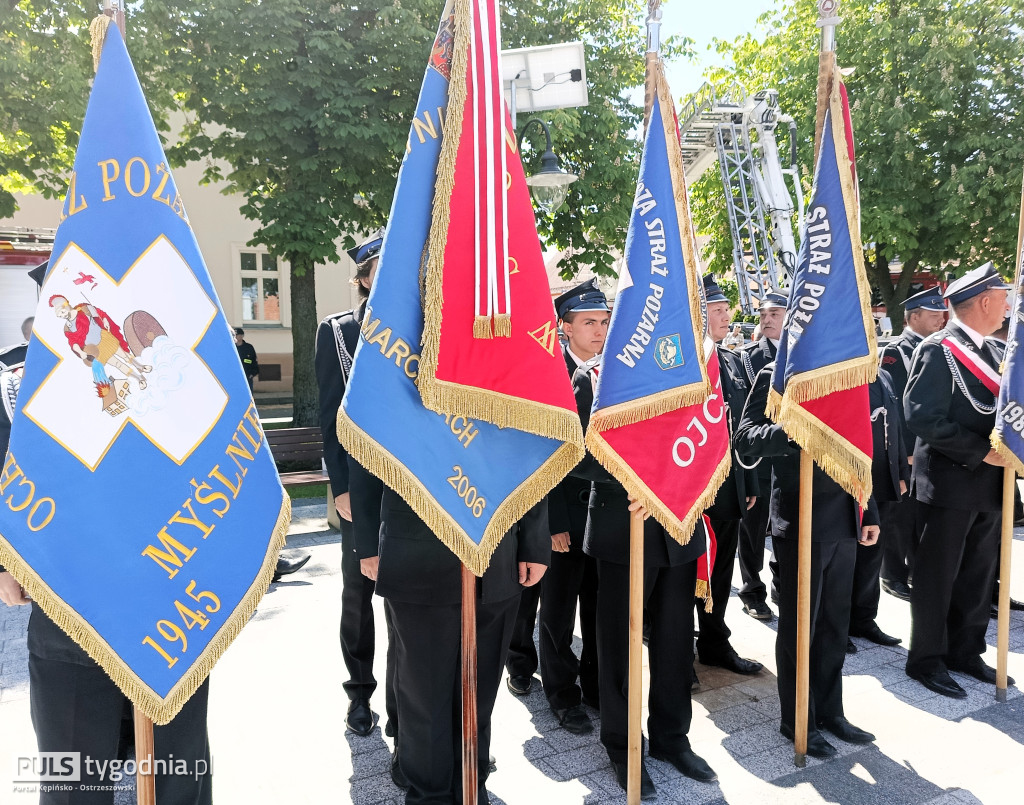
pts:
pixel 841 460
pixel 827 69
pixel 381 463
pixel 503 325
pixel 482 327
pixel 1011 458
pixel 629 413
pixel 98 35
pixel 159 709
pixel 838 377
pixel 680 529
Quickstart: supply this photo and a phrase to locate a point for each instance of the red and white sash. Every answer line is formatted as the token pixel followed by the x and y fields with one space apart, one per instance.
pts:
pixel 973 363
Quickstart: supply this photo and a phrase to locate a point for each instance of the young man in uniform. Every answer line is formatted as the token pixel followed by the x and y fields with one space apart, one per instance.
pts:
pixel 755 357
pixel 336 340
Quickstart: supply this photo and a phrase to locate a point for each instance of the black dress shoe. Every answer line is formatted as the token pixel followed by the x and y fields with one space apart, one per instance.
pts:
pixel 647 789
pixel 397 775
pixel 851 647
pixel 875 635
pixel 519 685
pixel 389 728
pixel 732 661
pixel 360 718
pixel 940 682
pixel 492 764
pixel 574 719
pixel 979 670
pixel 758 610
pixel 845 731
pixel 286 566
pixel 1016 606
pixel 899 589
pixel 817 746
pixel 689 763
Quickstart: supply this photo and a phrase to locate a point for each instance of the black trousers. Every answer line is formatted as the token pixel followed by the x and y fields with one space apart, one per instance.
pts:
pixel 713 640
pixel 753 529
pixel 77 708
pixel 522 651
pixel 899 539
pixel 954 570
pixel 831 585
pixel 358 631
pixel 866 592
pixel 429 739
pixel 668 602
pixel 571 577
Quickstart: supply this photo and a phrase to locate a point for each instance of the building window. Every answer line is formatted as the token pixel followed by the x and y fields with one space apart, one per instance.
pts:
pixel 261 283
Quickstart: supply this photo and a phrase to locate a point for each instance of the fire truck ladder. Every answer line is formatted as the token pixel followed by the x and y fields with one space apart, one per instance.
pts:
pixel 738 131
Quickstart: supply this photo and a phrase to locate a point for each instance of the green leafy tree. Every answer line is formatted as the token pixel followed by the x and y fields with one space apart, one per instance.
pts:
pixel 935 90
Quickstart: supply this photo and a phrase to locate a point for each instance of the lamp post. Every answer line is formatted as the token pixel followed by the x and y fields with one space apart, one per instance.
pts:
pixel 550 185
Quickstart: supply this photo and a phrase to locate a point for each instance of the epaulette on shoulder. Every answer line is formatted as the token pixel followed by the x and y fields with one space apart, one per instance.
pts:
pixel 339 317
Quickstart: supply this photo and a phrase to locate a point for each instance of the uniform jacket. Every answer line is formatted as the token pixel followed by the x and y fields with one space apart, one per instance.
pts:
pixel 731 500
pixel 336 340
pixel 754 357
pixel 568 501
pixel 247 355
pixel 416 567
pixel 607 533
pixel 835 515
pixel 952 435
pixel 895 358
pixel 889 463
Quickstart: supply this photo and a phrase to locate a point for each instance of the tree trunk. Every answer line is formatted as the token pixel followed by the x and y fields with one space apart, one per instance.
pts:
pixel 900 293
pixel 304 321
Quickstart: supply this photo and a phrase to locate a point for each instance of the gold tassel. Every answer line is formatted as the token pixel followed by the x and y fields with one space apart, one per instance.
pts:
pixel 482 327
pixel 704 591
pixel 503 325
pixel 159 710
pixel 98 34
pixel 381 463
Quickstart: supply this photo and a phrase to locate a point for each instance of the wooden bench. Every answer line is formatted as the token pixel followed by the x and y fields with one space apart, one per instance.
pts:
pixel 303 448
pixel 298 447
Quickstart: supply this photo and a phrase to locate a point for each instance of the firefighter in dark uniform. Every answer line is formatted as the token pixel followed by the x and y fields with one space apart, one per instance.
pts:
pixel 836 528
pixel 736 495
pixel 754 527
pixel 420 579
pixel 670 579
pixel 336 340
pixel 957 483
pixel 584 315
pixel 924 314
pixel 890 479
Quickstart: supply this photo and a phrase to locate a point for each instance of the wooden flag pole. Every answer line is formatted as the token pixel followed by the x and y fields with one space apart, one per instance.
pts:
pixel 634 696
pixel 636 647
pixel 145 782
pixel 1003 624
pixel 803 611
pixel 470 767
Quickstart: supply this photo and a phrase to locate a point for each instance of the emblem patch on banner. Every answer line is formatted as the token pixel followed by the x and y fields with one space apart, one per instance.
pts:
pixel 669 352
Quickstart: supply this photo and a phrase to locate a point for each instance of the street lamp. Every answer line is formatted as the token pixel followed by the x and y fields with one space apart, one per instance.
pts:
pixel 550 185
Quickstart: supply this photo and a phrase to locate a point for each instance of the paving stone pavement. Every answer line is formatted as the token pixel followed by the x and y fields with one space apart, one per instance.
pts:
pixel 277 718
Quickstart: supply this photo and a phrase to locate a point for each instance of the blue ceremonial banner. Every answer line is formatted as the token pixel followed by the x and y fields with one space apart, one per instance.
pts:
pixel 140 506
pixel 658 421
pixel 1008 435
pixel 654 358
pixel 468 480
pixel 827 353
